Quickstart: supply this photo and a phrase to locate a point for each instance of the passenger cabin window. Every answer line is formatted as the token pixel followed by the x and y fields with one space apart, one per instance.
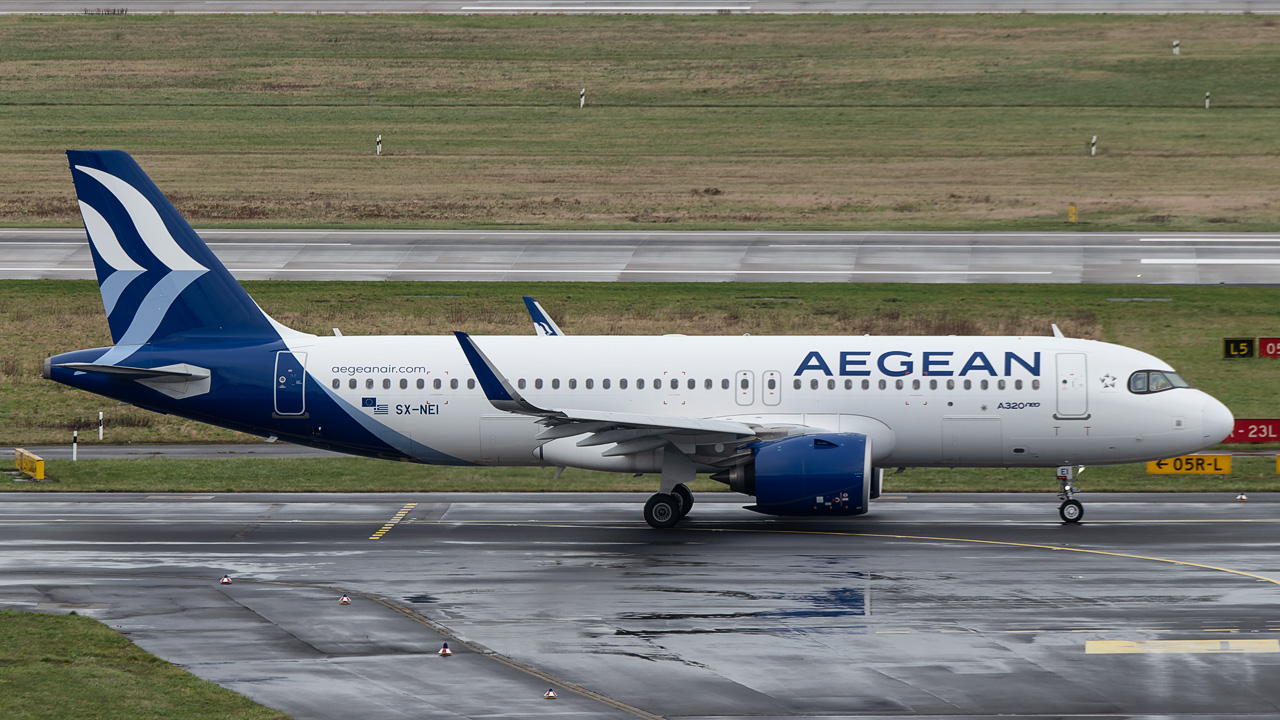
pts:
pixel 471 383
pixel 436 383
pixel 337 383
pixel 866 384
pixel 675 384
pixel 520 383
pixel 724 384
pixel 1154 381
pixel 1017 384
pixel 622 384
pixel 813 384
pixel 421 383
pixel 747 384
pixel 352 383
pixel 693 384
pixel 573 383
pixel 707 384
pixel 537 384
pixel 848 384
pixel 605 383
pixel 404 383
pixel 555 383
pixel 453 384
pixel 368 383
pixel 795 385
pixel 590 383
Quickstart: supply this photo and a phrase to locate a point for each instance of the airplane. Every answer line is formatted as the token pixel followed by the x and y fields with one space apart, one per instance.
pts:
pixel 805 425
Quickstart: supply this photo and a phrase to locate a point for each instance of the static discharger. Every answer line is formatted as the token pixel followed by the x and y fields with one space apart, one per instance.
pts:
pixel 344 600
pixel 445 651
pixel 226 580
pixel 550 694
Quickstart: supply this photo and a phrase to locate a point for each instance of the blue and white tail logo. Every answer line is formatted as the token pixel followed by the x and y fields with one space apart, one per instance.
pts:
pixel 158 278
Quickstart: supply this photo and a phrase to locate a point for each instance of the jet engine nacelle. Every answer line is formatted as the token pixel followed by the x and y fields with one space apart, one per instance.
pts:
pixel 819 474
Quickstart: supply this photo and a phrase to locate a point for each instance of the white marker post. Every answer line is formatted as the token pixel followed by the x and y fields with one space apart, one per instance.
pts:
pixel 1177 48
pixel 99 426
pixel 1093 146
pixel 379 149
pixel 582 99
pixel 75 443
pixel 1206 101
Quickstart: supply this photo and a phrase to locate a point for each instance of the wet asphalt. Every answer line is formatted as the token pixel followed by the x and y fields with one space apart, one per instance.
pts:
pixel 938 606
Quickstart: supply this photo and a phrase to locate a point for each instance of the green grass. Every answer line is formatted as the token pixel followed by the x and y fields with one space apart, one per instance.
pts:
pixel 66 666
pixel 807 121
pixel 366 475
pixel 43 318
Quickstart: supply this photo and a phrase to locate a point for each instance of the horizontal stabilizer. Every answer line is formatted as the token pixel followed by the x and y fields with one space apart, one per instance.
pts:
pixel 175 373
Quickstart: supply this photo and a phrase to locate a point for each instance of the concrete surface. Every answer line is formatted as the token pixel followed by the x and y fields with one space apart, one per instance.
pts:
pixel 931 606
pixel 1128 258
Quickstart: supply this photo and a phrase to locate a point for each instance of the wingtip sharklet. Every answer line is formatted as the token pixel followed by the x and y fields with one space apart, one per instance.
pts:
pixel 542 322
pixel 496 388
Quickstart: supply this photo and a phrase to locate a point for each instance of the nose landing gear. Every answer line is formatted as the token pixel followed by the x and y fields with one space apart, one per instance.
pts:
pixel 1071 511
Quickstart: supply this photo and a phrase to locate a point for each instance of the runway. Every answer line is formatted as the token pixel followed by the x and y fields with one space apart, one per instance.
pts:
pixel 932 606
pixel 484 255
pixel 509 7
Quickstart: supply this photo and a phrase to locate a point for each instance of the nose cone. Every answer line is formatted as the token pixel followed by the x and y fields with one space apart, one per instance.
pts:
pixel 1218 421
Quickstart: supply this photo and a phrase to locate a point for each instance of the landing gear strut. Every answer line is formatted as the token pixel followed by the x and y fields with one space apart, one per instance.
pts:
pixel 673 501
pixel 1071 511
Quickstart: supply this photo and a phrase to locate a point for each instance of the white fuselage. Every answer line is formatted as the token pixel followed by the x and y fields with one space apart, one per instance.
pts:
pixel 925 401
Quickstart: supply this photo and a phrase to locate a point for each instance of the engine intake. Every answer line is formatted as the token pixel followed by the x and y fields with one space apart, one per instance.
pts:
pixel 819 474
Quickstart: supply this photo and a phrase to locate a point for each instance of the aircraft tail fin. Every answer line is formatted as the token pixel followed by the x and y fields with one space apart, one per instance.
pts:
pixel 157 277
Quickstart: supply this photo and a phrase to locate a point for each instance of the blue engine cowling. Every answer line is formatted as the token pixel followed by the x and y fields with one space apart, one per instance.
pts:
pixel 820 474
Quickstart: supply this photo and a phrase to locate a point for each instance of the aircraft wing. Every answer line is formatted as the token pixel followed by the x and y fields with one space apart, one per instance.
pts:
pixel 632 432
pixel 542 322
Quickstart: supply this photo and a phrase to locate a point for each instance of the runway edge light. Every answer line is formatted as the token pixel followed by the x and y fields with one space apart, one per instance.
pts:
pixel 1242 498
pixel 226 580
pixel 344 600
pixel 445 651
pixel 550 694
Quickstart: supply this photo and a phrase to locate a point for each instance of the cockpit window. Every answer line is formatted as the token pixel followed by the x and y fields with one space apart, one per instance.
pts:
pixel 1154 381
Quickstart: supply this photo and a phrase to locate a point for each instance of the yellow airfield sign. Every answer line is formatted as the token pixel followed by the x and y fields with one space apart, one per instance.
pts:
pixel 1191 465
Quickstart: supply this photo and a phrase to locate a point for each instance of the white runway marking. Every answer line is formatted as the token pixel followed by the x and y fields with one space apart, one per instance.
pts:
pixel 1211 261
pixel 1213 240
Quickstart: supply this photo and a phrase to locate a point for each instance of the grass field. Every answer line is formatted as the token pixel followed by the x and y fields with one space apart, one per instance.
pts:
pixel 366 475
pixel 42 318
pixel 807 121
pixel 66 666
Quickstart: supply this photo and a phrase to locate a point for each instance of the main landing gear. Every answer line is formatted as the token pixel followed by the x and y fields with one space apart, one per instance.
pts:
pixel 1071 511
pixel 664 510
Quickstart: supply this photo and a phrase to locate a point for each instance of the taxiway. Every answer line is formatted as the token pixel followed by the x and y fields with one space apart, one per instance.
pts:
pixel 530 256
pixel 931 606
